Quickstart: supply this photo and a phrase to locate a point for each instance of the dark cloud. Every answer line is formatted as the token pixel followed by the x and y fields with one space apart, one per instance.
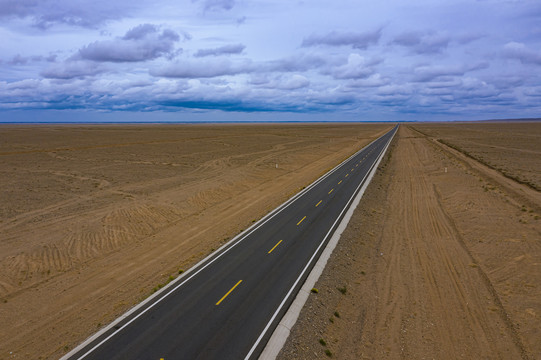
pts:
pixel 46 13
pixel 241 20
pixel 263 100
pixel 424 43
pixel 18 8
pixel 144 42
pixel 508 82
pixel 140 32
pixel 233 105
pixel 519 51
pixel 223 50
pixel 24 60
pixel 355 40
pixel 333 100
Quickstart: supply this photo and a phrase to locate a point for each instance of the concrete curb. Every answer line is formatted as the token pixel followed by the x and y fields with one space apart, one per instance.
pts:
pixel 282 331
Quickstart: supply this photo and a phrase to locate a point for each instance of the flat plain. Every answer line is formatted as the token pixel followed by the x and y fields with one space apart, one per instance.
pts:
pixel 514 149
pixel 442 258
pixel 93 219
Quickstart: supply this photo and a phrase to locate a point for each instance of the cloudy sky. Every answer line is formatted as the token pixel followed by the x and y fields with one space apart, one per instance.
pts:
pixel 261 60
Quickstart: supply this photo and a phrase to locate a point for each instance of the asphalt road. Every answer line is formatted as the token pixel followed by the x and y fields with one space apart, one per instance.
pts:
pixel 222 308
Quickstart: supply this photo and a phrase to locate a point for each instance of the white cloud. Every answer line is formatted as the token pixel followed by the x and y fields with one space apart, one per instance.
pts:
pixel 519 51
pixel 72 69
pixel 373 81
pixel 203 69
pixel 217 5
pixel 397 58
pixel 433 72
pixel 423 43
pixel 78 13
pixel 357 67
pixel 354 39
pixel 288 82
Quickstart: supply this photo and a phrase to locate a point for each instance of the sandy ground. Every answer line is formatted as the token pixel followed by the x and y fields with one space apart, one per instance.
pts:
pixel 441 260
pixel 94 218
pixel 514 149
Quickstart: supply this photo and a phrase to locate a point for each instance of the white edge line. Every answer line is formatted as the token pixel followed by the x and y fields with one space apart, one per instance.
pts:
pixel 195 269
pixel 283 329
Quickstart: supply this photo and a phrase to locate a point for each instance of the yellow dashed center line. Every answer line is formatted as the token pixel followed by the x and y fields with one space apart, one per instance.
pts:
pixel 331 191
pixel 339 182
pixel 274 247
pixel 301 221
pixel 229 292
pixel 351 169
pixel 356 165
pixel 319 203
pixel 347 175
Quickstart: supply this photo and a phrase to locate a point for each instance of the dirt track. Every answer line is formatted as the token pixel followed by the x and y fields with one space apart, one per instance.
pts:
pixel 93 218
pixel 440 261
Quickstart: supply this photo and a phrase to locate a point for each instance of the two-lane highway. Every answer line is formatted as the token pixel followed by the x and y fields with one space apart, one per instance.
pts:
pixel 227 306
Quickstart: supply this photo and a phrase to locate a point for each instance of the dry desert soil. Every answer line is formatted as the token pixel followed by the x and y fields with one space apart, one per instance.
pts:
pixel 442 258
pixel 93 219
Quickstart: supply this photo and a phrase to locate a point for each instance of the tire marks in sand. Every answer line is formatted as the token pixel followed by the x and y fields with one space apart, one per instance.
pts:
pixel 435 301
pixel 420 282
pixel 83 242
